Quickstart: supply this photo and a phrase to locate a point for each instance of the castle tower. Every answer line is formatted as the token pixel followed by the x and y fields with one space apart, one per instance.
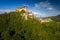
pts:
pixel 25 8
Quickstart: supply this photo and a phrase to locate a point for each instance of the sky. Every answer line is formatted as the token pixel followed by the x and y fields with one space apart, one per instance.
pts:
pixel 43 8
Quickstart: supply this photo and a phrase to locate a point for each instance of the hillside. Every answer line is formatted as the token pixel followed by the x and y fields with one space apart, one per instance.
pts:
pixel 14 27
pixel 55 18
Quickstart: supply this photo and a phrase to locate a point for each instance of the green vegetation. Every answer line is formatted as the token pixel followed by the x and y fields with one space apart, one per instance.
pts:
pixel 15 27
pixel 56 18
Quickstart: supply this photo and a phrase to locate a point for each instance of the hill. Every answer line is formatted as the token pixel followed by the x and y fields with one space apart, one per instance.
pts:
pixel 56 18
pixel 14 27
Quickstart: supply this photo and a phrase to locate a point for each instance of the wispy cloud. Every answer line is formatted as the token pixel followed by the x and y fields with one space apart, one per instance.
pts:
pixel 50 8
pixel 38 14
pixel 25 5
pixel 5 10
pixel 45 5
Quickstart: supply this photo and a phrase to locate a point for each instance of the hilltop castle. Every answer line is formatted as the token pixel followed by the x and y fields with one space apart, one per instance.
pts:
pixel 44 19
pixel 25 15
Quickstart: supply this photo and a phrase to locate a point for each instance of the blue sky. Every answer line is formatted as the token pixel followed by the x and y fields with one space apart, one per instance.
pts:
pixel 39 8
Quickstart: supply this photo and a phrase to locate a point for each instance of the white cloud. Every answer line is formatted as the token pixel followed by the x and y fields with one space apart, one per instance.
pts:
pixel 25 5
pixel 3 10
pixel 50 8
pixel 38 14
pixel 37 6
pixel 45 5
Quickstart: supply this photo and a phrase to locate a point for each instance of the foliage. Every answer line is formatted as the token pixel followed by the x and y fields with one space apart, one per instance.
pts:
pixel 14 27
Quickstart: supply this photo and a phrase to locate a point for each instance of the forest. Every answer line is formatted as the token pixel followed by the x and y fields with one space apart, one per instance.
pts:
pixel 14 27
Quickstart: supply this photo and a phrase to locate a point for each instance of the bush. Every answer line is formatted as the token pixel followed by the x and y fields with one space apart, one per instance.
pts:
pixel 14 27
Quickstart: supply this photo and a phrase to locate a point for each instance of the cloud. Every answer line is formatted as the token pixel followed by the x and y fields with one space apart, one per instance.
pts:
pixel 50 8
pixel 45 5
pixel 5 10
pixel 25 5
pixel 37 5
pixel 38 14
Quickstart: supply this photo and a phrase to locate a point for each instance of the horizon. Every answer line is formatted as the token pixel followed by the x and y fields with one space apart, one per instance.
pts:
pixel 43 8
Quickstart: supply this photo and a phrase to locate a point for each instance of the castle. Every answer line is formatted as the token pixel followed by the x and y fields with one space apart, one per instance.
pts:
pixel 30 14
pixel 44 19
pixel 20 9
pixel 25 15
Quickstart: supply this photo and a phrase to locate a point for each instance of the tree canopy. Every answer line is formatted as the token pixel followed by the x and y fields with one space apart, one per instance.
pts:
pixel 14 27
